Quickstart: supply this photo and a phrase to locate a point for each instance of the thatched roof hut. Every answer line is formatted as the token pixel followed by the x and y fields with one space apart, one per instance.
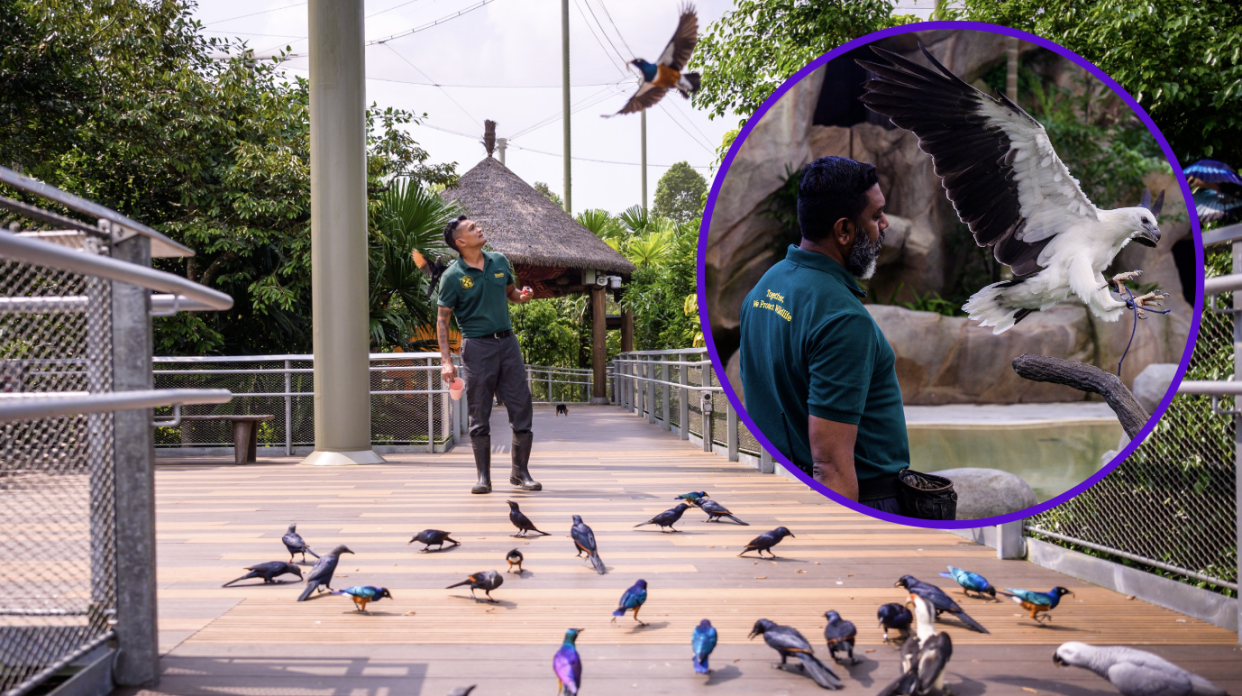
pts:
pixel 549 250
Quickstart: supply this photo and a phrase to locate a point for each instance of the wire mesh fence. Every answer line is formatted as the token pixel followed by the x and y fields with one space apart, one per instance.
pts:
pixel 1170 507
pixel 57 506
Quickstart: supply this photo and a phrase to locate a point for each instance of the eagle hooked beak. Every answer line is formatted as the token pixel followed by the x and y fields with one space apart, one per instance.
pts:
pixel 1148 237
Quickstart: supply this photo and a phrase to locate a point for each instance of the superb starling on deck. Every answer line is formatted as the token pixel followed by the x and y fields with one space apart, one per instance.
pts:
pixel 320 577
pixel 667 518
pixel 840 635
pixel 293 541
pixel 695 498
pixel 567 665
pixel 487 581
pixel 703 640
pixel 362 594
pixel 765 541
pixel 715 511
pixel 787 641
pixel 514 558
pixel 970 582
pixel 895 616
pixel 521 521
pixel 432 537
pixel 1036 602
pixel 939 601
pixel 666 73
pixel 268 571
pixel 584 541
pixel 633 598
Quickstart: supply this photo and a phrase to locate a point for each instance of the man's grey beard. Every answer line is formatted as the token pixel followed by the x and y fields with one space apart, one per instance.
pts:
pixel 863 256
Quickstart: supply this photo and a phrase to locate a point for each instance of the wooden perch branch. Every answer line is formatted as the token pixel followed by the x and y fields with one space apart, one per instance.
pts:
pixel 1087 378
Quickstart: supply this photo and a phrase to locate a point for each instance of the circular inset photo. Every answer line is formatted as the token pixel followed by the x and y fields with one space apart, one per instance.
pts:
pixel 950 275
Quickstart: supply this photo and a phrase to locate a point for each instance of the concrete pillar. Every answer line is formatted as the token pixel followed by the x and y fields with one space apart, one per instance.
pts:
pixel 599 346
pixel 137 662
pixel 339 235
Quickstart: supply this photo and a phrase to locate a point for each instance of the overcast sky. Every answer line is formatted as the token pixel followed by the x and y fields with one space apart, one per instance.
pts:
pixel 502 61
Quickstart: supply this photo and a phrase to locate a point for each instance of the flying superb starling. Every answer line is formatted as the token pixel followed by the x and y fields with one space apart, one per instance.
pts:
pixel 666 73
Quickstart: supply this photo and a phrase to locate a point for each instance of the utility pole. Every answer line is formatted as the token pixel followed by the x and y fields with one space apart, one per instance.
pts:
pixel 643 120
pixel 501 144
pixel 569 208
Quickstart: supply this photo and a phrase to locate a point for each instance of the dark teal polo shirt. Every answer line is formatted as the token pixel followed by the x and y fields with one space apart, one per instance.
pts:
pixel 477 297
pixel 809 346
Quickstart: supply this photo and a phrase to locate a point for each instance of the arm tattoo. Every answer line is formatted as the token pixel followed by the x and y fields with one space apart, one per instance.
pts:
pixel 442 330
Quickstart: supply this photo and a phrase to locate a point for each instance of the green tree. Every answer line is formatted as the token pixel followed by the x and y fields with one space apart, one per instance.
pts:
pixel 548 330
pixel 746 54
pixel 602 224
pixel 679 193
pixel 541 187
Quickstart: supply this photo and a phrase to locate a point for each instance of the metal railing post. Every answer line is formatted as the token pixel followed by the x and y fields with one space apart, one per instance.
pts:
pixel 666 392
pixel 731 430
pixel 652 370
pixel 1237 427
pixel 708 421
pixel 288 409
pixel 431 414
pixel 99 459
pixel 550 385
pixel 635 396
pixel 683 398
pixel 530 383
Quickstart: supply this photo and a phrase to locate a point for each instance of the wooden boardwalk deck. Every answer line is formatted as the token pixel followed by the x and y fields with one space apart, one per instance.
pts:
pixel 616 471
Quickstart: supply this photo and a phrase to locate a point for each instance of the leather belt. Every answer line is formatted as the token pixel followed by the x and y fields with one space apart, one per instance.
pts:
pixel 498 334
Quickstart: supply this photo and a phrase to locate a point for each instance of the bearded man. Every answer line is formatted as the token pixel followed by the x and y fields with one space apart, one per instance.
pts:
pixel 817 373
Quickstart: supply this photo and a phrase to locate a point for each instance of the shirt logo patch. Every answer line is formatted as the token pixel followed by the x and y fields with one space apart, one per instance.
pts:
pixel 500 275
pixel 466 282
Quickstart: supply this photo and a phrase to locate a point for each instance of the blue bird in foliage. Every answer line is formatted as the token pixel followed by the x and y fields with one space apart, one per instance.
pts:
pixel 1037 602
pixel 363 594
pixel 703 640
pixel 567 665
pixel 970 582
pixel 633 598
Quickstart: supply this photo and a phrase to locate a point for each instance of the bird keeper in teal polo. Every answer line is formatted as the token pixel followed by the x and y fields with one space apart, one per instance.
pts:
pixel 817 375
pixel 478 289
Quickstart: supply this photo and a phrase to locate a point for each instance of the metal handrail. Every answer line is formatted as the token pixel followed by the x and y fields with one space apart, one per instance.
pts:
pixel 165 359
pixel 62 258
pixel 1219 284
pixel 38 405
pixel 671 351
pixel 1204 388
pixel 1220 235
pixel 76 304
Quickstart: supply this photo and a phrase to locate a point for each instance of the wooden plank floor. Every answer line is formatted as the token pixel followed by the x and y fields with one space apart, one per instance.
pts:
pixel 616 471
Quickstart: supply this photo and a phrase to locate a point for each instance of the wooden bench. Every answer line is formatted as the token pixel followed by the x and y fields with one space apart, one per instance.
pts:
pixel 245 434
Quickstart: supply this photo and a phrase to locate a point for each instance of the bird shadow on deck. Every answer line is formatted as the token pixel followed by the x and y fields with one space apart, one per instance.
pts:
pixel 326 676
pixel 722 675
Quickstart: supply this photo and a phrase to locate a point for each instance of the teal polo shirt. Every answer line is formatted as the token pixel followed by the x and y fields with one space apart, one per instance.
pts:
pixel 477 297
pixel 809 347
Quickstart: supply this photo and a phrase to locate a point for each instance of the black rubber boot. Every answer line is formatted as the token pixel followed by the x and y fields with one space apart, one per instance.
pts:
pixel 483 463
pixel 520 475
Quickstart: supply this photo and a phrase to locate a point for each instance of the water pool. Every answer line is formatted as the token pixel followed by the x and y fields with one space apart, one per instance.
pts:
pixel 1051 458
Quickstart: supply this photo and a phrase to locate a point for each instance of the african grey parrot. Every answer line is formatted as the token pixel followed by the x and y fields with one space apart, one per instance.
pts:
pixel 1134 672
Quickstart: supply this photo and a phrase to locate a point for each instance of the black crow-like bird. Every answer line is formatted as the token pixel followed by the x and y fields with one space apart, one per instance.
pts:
pixel 894 616
pixel 715 511
pixel 486 580
pixel 840 635
pixel 938 600
pixel 787 641
pixel 320 577
pixel 432 537
pixel 667 518
pixel 584 541
pixel 268 571
pixel 294 542
pixel 765 541
pixel 514 558
pixel 521 521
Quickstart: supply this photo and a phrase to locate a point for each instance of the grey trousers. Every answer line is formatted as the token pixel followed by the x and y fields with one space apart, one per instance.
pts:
pixel 493 367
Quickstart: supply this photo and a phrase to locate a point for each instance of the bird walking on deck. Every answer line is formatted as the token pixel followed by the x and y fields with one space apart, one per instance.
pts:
pixel 939 601
pixel 432 537
pixel 788 642
pixel 584 542
pixel 695 498
pixel 521 521
pixel 894 616
pixel 1135 672
pixel 295 544
pixel 633 598
pixel 667 518
pixel 567 665
pixel 268 571
pixel 363 594
pixel 514 558
pixel 924 657
pixel 666 73
pixel 970 582
pixel 703 640
pixel 765 541
pixel 715 512
pixel 840 635
pixel 487 581
pixel 320 577
pixel 1037 602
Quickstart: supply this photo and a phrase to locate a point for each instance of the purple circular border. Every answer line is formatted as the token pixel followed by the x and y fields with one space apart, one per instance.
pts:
pixel 758 116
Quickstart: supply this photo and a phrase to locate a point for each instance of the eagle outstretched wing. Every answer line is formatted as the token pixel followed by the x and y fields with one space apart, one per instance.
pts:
pixel 995 161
